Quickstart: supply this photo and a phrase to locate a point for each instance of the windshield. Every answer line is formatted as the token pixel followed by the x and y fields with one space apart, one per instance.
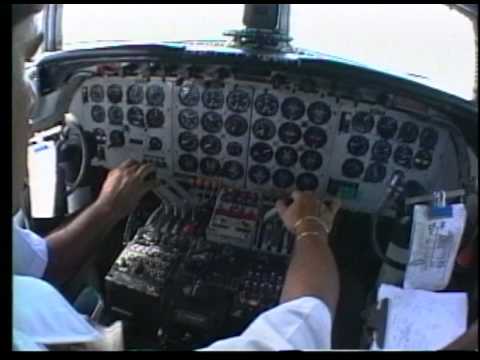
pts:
pixel 428 42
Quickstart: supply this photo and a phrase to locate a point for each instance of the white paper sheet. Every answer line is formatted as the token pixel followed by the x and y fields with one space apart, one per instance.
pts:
pixel 422 320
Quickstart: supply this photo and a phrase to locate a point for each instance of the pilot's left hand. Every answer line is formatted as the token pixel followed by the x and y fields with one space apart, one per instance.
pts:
pixel 125 186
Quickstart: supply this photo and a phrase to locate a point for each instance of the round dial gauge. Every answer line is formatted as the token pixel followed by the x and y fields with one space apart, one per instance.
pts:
pixel 381 151
pixel 307 182
pixel 233 170
pixel 289 133
pixel 189 95
pixel 135 117
pixel 212 122
pixel 115 94
pixel 188 141
pixel 209 166
pixel 236 125
pixel 408 132
pixel 363 122
pixel 293 108
pixel 403 156
pixel 311 160
pixel 213 98
pixel 155 144
pixel 98 113
pixel 315 137
pixel 97 94
pixel 188 119
pixel 375 173
pixel 352 168
pixel 188 163
pixel 155 118
pixel 234 149
pixel 428 138
pixel 115 115
pixel 259 174
pixel 266 104
pixel 387 127
pixel 211 145
pixel 358 145
pixel 261 152
pixel 264 129
pixel 135 94
pixel 155 95
pixel 100 136
pixel 286 156
pixel 422 160
pixel 238 101
pixel 117 139
pixel 283 178
pixel 319 113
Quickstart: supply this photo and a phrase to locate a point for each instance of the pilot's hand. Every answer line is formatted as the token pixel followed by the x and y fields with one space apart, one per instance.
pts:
pixel 298 216
pixel 125 186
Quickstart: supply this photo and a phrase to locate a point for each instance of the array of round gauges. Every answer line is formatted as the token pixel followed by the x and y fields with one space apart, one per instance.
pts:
pixel 286 156
pixel 115 115
pixel 403 156
pixel 236 125
pixel 264 129
pixel 212 122
pixel 100 136
pixel 155 144
pixel 387 127
pixel 363 122
pixel 136 117
pixel 155 118
pixel 358 145
pixel 289 133
pixel 135 94
pixel 188 163
pixel 422 160
pixel 233 170
pixel 311 160
pixel 115 94
pixel 97 113
pixel 209 166
pixel 283 178
pixel 211 145
pixel 266 104
pixel 238 100
pixel 352 168
pixel 155 95
pixel 234 149
pixel 375 173
pixel 408 132
pixel 97 94
pixel 293 108
pixel 213 98
pixel 319 113
pixel 381 151
pixel 188 141
pixel 188 119
pixel 307 182
pixel 315 137
pixel 261 152
pixel 117 139
pixel 428 138
pixel 189 95
pixel 259 174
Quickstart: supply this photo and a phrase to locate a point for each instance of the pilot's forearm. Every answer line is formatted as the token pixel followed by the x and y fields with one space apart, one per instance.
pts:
pixel 70 246
pixel 312 272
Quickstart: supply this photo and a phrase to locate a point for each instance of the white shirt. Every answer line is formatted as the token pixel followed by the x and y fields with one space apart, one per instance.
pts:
pixel 42 316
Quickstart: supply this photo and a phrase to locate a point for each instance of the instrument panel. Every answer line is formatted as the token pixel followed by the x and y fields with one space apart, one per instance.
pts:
pixel 271 140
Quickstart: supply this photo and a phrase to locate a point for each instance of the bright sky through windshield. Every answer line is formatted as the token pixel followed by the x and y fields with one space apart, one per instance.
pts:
pixel 423 39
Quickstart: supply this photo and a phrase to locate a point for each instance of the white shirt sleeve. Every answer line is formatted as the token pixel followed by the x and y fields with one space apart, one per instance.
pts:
pixel 301 324
pixel 30 254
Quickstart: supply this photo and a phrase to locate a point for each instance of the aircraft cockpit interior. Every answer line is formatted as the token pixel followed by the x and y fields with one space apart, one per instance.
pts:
pixel 231 126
